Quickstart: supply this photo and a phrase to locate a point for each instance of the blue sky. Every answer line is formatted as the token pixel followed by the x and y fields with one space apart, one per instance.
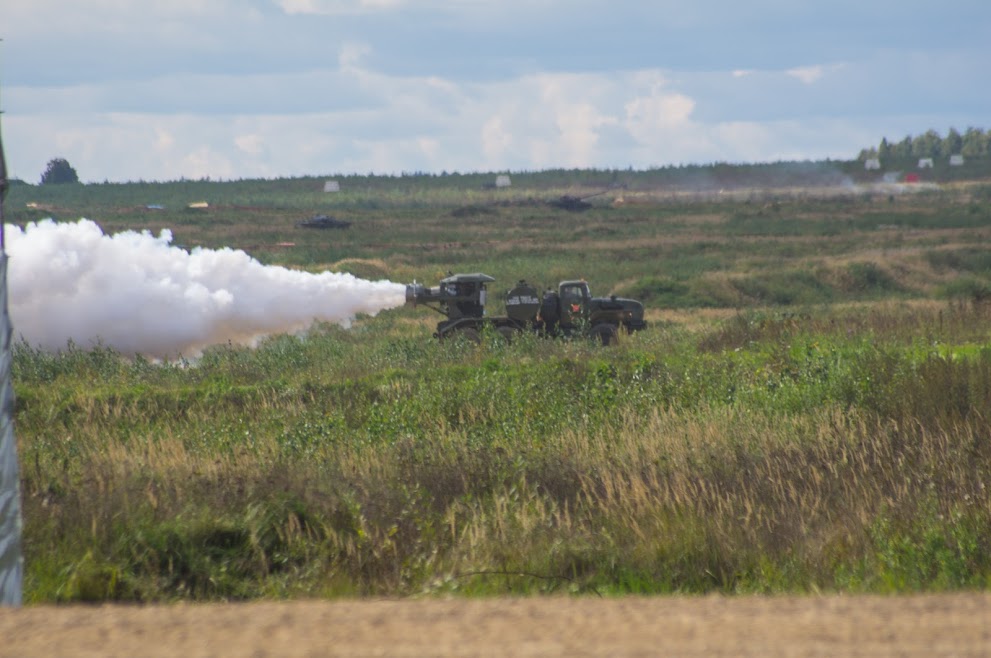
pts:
pixel 168 89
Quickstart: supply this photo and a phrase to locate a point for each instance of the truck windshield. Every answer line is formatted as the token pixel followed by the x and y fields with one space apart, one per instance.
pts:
pixel 572 294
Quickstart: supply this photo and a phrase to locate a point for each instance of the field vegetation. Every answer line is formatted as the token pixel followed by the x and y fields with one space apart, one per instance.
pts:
pixel 807 412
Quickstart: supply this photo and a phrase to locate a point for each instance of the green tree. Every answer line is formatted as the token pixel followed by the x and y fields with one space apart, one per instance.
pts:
pixel 952 143
pixel 59 171
pixel 927 145
pixel 976 143
pixel 903 149
pixel 884 151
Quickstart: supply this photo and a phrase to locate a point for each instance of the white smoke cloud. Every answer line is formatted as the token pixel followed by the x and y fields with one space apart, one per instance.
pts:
pixel 138 294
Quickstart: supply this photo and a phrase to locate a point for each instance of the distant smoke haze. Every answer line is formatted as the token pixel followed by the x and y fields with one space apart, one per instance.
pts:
pixel 138 294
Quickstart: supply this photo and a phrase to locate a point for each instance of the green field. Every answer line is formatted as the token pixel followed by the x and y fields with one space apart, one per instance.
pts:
pixel 808 410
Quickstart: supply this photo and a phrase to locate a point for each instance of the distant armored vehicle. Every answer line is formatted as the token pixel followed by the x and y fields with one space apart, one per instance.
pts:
pixel 323 221
pixel 579 203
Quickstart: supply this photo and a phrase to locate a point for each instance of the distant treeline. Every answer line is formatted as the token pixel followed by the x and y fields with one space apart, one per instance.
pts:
pixel 709 177
pixel 973 143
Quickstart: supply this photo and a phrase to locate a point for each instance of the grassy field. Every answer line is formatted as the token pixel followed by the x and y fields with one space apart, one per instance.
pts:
pixel 808 410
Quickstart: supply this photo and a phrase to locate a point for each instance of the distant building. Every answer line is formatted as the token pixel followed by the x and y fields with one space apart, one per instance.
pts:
pixel 956 160
pixel 502 180
pixel 872 163
pixel 332 186
pixel 925 163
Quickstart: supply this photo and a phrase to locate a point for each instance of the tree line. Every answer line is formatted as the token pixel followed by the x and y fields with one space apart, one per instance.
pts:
pixel 973 143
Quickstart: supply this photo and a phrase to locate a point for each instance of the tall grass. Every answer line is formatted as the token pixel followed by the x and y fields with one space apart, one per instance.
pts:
pixel 771 453
pixel 806 412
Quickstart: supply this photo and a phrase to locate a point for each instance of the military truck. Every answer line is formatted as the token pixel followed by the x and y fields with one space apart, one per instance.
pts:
pixel 569 310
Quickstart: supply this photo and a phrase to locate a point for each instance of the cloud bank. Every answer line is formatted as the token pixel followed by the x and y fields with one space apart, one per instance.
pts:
pixel 129 90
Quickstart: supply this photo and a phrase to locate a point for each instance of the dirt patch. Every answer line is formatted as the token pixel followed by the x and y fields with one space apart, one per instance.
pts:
pixel 939 625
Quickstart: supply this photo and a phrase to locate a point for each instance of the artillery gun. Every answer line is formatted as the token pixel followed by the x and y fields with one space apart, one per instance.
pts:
pixel 569 310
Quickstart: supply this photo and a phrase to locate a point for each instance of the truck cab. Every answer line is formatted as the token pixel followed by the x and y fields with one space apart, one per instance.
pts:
pixel 573 308
pixel 575 297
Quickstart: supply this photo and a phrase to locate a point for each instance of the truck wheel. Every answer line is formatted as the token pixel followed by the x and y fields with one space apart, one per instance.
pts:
pixel 605 334
pixel 508 333
pixel 469 334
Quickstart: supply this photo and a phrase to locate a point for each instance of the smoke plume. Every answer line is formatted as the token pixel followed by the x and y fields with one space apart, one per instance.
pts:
pixel 138 294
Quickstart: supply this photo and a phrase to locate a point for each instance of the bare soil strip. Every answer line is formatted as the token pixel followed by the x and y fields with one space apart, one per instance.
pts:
pixel 934 625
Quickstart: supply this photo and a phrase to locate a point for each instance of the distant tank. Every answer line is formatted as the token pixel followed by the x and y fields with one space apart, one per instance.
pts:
pixel 575 203
pixel 323 221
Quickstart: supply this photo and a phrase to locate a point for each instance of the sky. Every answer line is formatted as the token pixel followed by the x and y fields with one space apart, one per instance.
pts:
pixel 161 90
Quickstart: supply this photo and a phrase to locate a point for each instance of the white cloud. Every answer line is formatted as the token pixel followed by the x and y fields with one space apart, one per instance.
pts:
pixel 559 116
pixel 430 148
pixel 250 144
pixel 332 7
pixel 659 120
pixel 163 89
pixel 496 140
pixel 468 10
pixel 737 139
pixel 635 119
pixel 33 17
pixel 807 74
pixel 205 162
pixel 579 134
pixel 351 54
pixel 658 112
pixel 412 123
pixel 164 140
